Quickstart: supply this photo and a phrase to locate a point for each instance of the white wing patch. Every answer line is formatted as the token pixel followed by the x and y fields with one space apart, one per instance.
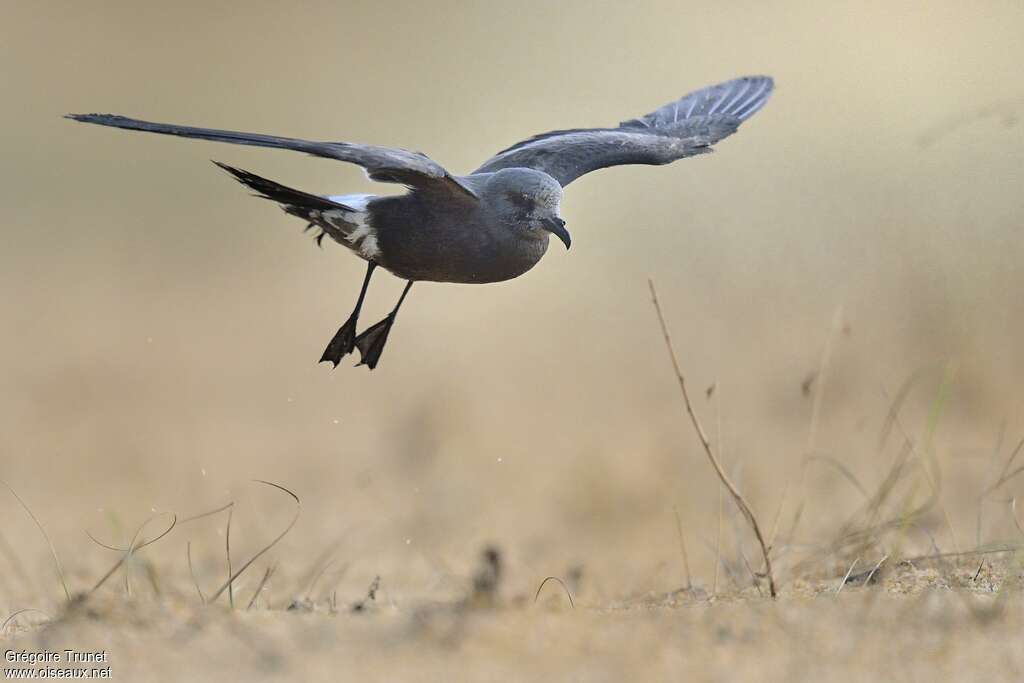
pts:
pixel 354 225
pixel 353 201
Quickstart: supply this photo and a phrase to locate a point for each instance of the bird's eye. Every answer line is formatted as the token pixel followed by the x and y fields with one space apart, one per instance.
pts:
pixel 520 200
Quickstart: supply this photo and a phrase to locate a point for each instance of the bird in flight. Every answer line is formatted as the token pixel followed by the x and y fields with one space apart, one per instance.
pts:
pixel 491 225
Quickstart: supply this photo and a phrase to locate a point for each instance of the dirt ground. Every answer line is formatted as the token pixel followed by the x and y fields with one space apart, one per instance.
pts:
pixel 913 624
pixel 841 280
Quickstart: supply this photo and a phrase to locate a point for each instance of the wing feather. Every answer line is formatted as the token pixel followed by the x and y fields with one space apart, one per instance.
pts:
pixel 686 127
pixel 383 164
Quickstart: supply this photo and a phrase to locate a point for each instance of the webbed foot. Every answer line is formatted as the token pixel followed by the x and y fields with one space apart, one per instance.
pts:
pixel 343 342
pixel 371 342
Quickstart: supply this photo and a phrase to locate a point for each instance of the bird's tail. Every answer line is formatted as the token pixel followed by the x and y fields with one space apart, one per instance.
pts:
pixel 276 192
pixel 309 207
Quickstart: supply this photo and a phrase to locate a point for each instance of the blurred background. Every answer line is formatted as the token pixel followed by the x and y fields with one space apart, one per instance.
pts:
pixel 161 329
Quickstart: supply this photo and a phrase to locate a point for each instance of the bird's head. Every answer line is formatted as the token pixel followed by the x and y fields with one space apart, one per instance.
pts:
pixel 527 201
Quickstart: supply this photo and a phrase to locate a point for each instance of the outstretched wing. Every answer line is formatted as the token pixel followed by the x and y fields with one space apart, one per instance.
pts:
pixel 680 129
pixel 381 163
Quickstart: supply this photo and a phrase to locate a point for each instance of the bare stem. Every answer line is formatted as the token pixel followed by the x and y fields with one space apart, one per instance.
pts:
pixel 741 503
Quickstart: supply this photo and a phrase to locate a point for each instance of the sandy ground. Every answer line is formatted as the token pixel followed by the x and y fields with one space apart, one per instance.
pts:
pixel 841 279
pixel 912 624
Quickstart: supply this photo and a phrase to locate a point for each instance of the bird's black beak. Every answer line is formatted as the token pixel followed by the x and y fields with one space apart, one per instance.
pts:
pixel 556 226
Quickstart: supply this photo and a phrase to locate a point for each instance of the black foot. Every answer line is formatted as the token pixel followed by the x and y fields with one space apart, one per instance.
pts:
pixel 371 342
pixel 344 342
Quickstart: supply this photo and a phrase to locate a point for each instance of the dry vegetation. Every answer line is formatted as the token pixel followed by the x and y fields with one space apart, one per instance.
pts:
pixel 868 599
pixel 519 491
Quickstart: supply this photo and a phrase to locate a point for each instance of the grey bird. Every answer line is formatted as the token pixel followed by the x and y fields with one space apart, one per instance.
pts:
pixel 488 226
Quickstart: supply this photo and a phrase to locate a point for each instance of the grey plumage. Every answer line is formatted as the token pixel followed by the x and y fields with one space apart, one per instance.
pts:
pixel 677 130
pixel 491 225
pixel 383 164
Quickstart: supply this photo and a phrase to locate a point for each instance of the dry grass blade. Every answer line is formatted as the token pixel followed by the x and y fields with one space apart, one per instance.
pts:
pixel 561 583
pixel 227 551
pixel 15 615
pixel 1016 519
pixel 718 539
pixel 863 530
pixel 317 568
pixel 741 503
pixel 191 572
pixel 682 548
pixel 319 575
pixel 259 589
pixel 843 470
pixel 201 515
pixel 1006 475
pixel 133 547
pixel 139 547
pixel 15 561
pixel 896 404
pixel 142 545
pixel 933 476
pixel 371 596
pixel 266 548
pixel 49 543
pixel 876 568
pixel 993 550
pixel 847 576
pixel 822 377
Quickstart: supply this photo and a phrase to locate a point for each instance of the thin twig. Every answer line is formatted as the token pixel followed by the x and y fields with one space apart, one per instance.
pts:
pixel 721 495
pixel 741 503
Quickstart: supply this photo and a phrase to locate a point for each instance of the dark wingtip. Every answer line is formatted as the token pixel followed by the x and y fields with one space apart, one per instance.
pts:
pixel 238 174
pixel 224 167
pixel 102 119
pixel 84 118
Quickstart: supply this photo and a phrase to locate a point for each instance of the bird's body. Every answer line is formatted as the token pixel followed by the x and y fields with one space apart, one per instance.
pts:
pixel 489 226
pixel 446 241
pixel 471 248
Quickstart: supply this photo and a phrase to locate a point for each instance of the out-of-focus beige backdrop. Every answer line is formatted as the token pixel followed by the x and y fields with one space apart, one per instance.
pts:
pixel 161 329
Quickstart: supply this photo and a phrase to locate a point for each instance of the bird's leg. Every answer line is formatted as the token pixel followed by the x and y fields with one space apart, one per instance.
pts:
pixel 371 341
pixel 344 340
